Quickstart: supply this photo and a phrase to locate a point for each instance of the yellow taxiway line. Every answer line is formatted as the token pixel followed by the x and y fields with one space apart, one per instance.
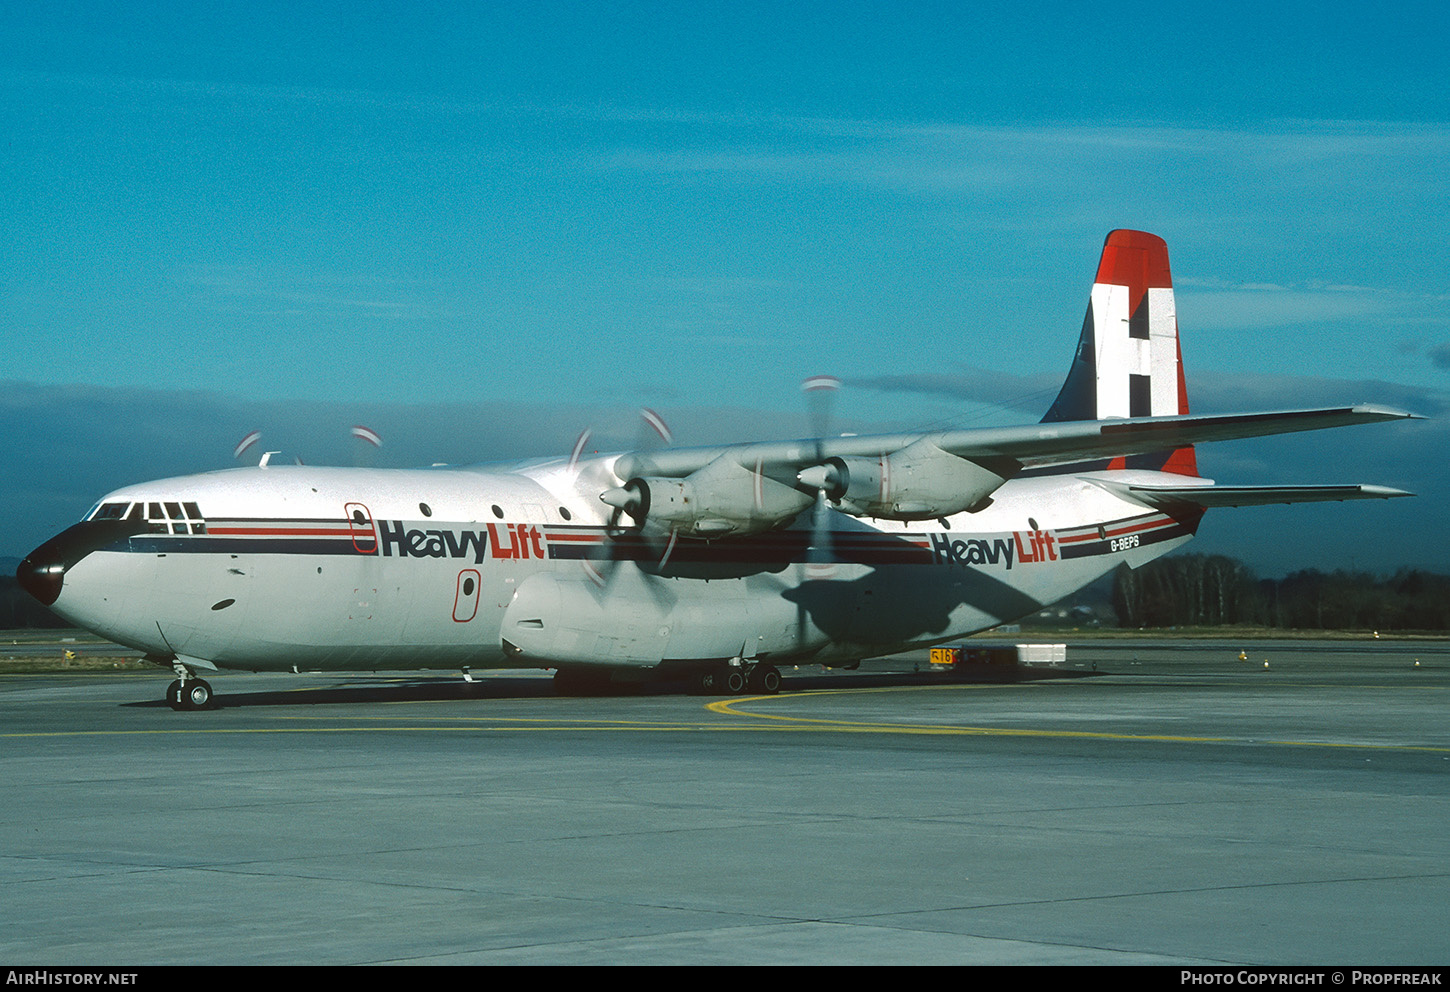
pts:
pixel 738 719
pixel 730 707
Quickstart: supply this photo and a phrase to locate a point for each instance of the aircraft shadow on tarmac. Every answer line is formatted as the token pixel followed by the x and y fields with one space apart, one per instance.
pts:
pixel 414 689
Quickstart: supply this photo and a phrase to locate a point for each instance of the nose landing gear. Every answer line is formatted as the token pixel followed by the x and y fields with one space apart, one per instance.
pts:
pixel 188 692
pixel 193 694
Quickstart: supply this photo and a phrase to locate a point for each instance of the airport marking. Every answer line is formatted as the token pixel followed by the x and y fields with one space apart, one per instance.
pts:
pixel 739 720
pixel 727 707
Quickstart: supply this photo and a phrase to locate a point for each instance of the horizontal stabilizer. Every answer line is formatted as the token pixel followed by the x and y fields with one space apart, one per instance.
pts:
pixel 1253 495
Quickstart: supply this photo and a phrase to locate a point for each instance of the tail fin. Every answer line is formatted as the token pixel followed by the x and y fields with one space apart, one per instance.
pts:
pixel 1129 362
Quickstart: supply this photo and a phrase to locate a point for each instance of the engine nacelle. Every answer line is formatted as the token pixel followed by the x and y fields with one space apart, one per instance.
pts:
pixel 919 482
pixel 720 499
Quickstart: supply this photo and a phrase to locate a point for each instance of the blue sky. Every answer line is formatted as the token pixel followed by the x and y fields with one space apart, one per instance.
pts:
pixel 296 214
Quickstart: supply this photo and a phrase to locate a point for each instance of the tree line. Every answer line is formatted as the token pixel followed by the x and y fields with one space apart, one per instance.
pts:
pixel 1210 590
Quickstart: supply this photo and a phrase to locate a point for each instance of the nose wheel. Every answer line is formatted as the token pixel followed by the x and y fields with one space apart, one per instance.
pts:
pixel 189 694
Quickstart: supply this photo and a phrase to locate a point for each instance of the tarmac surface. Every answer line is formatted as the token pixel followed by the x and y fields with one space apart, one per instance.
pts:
pixel 1153 802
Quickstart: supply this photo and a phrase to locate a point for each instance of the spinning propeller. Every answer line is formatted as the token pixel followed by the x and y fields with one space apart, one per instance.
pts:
pixel 654 434
pixel 820 393
pixel 371 440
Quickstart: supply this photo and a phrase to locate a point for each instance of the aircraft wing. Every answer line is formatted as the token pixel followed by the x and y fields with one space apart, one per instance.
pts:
pixel 751 488
pixel 1043 444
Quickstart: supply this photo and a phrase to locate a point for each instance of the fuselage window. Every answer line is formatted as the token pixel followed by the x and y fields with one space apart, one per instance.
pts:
pixel 110 511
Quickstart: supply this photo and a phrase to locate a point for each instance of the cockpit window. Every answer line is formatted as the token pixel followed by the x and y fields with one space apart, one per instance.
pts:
pixel 172 518
pixel 161 518
pixel 193 513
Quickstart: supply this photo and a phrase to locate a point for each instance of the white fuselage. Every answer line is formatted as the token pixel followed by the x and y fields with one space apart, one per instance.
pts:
pixel 292 567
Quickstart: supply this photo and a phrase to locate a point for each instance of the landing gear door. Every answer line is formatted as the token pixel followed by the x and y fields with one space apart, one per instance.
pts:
pixel 360 526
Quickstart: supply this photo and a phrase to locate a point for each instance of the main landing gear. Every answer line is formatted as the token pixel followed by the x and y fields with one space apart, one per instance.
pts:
pixel 732 680
pixel 188 692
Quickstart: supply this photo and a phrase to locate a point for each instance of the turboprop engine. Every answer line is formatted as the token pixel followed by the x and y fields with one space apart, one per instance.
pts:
pixel 917 482
pixel 720 499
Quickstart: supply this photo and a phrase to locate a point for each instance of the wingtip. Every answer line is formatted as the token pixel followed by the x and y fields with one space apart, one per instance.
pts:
pixel 1386 412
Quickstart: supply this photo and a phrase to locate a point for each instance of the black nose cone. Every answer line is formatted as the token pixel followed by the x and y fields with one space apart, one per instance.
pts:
pixel 43 570
pixel 41 576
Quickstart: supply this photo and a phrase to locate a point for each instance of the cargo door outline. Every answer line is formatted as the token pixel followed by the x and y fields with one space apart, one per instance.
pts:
pixel 465 595
pixel 361 528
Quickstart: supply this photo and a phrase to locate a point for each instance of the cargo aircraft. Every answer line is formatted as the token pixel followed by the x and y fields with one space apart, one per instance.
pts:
pixel 716 563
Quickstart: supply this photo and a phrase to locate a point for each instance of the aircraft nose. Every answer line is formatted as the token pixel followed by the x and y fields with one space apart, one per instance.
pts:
pixel 41 576
pixel 42 573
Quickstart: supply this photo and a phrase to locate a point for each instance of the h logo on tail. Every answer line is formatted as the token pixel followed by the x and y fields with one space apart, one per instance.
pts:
pixel 1129 362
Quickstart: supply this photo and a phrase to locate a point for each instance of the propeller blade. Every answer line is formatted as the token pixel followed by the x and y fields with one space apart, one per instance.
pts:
pixel 820 556
pixel 628 545
pixel 669 550
pixel 820 393
pixel 363 454
pixel 631 551
pixel 246 443
pixel 367 434
pixel 654 432
pixel 579 445
pixel 592 570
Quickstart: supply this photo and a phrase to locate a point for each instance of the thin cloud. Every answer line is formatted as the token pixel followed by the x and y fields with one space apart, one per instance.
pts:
pixel 937 158
pixel 1211 392
pixel 1208 392
pixel 1028 394
pixel 1216 304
